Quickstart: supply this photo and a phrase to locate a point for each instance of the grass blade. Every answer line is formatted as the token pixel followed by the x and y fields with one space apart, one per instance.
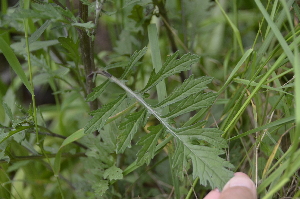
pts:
pixel 14 63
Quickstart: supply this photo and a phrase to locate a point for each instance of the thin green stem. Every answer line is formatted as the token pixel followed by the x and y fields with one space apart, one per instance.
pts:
pixel 40 157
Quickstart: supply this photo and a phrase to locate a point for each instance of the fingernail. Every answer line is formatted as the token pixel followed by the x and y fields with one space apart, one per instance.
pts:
pixel 242 182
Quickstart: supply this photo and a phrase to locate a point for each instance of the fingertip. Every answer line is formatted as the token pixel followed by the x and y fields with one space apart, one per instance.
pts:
pixel 241 180
pixel 214 194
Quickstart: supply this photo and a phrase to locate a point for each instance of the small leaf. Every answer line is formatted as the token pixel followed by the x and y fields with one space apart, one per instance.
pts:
pixel 97 91
pixel 14 63
pixel 11 133
pixel 101 115
pixel 113 173
pixel 72 138
pixel 188 87
pixel 100 187
pixel 193 102
pixel 7 110
pixel 36 35
pixel 56 166
pixel 71 46
pixel 148 143
pixel 171 66
pixel 87 25
pixel 134 58
pixel 129 127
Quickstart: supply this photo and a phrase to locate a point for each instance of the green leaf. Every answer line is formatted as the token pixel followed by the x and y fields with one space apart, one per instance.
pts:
pixel 137 14
pixel 203 146
pixel 97 91
pixel 101 115
pixel 252 83
pixel 179 159
pixel 100 187
pixel 113 173
pixel 7 111
pixel 37 45
pixel 38 32
pixel 134 58
pixel 171 66
pixel 72 138
pixel 14 63
pixel 188 87
pixel 11 133
pixel 148 143
pixel 71 46
pixel 193 102
pixel 129 128
pixel 87 25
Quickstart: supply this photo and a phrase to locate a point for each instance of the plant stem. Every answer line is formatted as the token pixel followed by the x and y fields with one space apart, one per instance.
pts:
pixel 38 157
pixel 87 54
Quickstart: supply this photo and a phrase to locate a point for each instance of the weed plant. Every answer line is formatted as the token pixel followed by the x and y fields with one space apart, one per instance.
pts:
pixel 148 98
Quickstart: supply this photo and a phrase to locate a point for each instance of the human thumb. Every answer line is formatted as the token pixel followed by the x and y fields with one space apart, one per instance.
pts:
pixel 239 187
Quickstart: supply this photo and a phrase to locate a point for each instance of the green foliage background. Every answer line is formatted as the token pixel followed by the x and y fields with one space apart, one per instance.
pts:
pixel 148 98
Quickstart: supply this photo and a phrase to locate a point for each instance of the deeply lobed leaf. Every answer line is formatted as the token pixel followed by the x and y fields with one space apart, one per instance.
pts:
pixel 101 115
pixel 193 102
pixel 129 128
pixel 188 87
pixel 148 143
pixel 171 66
pixel 134 58
pixel 207 165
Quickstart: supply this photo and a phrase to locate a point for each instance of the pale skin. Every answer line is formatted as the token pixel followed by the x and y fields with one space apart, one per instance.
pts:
pixel 238 187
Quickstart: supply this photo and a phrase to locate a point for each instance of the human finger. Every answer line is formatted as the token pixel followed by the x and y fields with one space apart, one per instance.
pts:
pixel 239 187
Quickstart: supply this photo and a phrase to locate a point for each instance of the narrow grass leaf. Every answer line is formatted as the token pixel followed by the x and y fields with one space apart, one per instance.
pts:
pixel 276 31
pixel 14 63
pixel 36 35
pixel 234 28
pixel 277 175
pixel 249 83
pixel 282 121
pixel 236 68
pixel 157 64
pixel 72 138
pixel 272 156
